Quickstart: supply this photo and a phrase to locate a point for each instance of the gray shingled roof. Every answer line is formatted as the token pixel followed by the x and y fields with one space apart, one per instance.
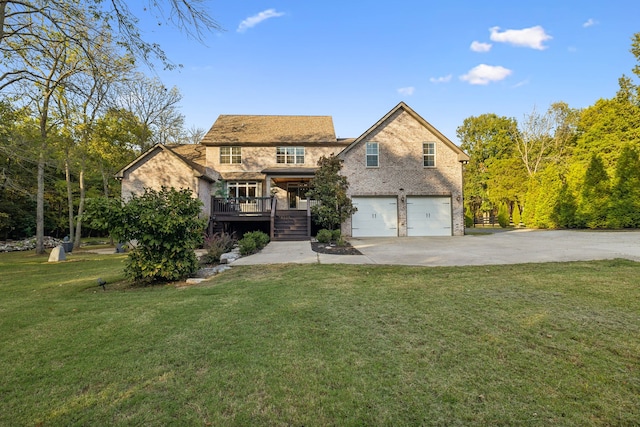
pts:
pixel 268 130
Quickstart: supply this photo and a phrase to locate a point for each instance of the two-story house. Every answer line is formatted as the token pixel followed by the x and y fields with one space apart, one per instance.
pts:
pixel 253 172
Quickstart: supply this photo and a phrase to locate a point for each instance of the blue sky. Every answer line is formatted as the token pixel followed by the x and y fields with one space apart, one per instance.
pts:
pixel 355 61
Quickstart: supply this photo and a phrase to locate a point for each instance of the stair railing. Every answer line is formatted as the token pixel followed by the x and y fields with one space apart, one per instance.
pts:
pixel 274 203
pixel 309 220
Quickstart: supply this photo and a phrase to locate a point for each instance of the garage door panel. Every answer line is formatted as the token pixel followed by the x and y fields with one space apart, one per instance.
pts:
pixel 429 216
pixel 375 217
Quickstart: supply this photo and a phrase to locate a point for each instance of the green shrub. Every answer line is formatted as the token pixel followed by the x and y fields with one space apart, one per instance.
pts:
pixel 468 218
pixel 167 229
pixel 259 237
pixel 252 242
pixel 324 236
pixel 247 246
pixel 335 235
pixel 216 245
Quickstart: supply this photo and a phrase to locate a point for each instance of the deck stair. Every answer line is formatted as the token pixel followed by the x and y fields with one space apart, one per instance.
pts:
pixel 291 225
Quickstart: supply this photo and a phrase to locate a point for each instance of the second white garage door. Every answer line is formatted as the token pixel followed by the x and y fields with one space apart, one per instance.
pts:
pixel 429 216
pixel 375 217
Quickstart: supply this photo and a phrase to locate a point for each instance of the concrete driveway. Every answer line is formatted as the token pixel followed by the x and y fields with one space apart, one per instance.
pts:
pixel 506 247
pixel 502 247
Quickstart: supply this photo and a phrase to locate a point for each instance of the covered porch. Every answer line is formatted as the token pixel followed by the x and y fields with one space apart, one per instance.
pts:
pixel 277 202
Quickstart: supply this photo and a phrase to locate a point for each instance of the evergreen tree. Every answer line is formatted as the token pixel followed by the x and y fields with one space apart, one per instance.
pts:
pixel 516 215
pixel 329 188
pixel 594 201
pixel 503 215
pixel 625 193
pixel 564 211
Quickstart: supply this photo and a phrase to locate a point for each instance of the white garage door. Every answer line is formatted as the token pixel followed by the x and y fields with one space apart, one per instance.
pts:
pixel 429 216
pixel 376 217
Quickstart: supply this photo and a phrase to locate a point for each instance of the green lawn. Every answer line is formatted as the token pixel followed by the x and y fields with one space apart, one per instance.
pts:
pixel 316 345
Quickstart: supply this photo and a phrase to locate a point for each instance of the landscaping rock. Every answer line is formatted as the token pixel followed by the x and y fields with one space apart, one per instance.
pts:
pixel 57 254
pixel 221 268
pixel 28 244
pixel 207 272
pixel 229 257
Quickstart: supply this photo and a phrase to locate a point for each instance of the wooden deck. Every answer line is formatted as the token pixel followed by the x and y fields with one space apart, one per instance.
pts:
pixel 283 224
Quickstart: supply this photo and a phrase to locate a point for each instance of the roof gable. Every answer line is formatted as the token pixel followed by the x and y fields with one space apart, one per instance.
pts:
pixel 462 156
pixel 193 155
pixel 271 130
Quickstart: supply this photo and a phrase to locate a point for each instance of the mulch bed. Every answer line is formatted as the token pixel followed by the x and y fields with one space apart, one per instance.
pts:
pixel 326 248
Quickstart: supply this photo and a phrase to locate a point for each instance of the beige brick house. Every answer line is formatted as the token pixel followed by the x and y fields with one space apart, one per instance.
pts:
pixel 253 172
pixel 405 179
pixel 178 166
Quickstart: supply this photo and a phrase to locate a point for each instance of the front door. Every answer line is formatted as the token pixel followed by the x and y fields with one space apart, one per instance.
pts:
pixel 297 195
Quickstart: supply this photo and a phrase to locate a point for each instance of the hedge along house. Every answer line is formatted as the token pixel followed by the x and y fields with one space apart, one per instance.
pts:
pixel 253 172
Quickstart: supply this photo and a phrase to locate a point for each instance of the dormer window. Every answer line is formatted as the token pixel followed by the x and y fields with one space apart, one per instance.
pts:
pixel 290 155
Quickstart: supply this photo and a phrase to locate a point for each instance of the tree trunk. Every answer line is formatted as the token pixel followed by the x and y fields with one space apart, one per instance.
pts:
pixel 40 204
pixel 105 181
pixel 67 173
pixel 3 14
pixel 76 243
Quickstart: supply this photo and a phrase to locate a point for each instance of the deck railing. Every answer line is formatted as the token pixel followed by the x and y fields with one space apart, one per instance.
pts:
pixel 240 205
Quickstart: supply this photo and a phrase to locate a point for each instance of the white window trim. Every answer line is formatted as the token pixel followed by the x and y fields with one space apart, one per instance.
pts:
pixel 246 185
pixel 234 151
pixel 377 154
pixel 287 155
pixel 424 155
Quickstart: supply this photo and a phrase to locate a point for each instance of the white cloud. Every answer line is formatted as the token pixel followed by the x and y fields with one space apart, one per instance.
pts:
pixel 254 20
pixel 480 47
pixel 443 79
pixel 484 74
pixel 407 91
pixel 590 23
pixel 533 37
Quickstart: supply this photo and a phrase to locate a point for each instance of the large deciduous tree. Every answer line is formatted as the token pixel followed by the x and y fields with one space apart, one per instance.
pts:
pixel 52 58
pixel 157 108
pixel 190 16
pixel 546 138
pixel 493 175
pixel 44 44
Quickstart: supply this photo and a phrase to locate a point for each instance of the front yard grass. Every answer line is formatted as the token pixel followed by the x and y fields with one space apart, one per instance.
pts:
pixel 536 344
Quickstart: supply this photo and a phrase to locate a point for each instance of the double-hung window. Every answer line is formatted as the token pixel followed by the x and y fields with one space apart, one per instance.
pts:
pixel 372 154
pixel 290 155
pixel 429 154
pixel 230 155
